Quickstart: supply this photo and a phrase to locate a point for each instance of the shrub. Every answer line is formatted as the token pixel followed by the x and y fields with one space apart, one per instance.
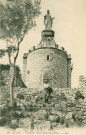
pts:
pixel 78 95
pixel 3 121
pixel 3 111
pixel 20 96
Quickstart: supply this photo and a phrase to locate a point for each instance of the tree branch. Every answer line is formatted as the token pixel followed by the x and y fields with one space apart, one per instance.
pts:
pixel 16 54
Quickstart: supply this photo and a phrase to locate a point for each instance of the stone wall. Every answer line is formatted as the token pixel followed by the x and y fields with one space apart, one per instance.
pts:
pixel 56 114
pixel 38 65
pixel 47 62
pixel 69 70
pixel 62 110
pixel 24 69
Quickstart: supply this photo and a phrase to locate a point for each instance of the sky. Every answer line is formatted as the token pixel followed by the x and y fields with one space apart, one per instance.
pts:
pixel 70 32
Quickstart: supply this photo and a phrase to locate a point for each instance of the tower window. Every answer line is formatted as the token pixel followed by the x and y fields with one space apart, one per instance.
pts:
pixel 47 57
pixel 28 72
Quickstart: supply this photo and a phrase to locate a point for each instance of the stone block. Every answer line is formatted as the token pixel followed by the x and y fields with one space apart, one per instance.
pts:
pixel 25 123
pixel 84 109
pixel 39 105
pixel 49 105
pixel 54 125
pixel 83 116
pixel 52 103
pixel 84 113
pixel 42 125
pixel 53 118
pixel 57 105
pixel 69 109
pixel 84 121
pixel 58 126
pixel 69 123
pixel 78 109
pixel 41 112
pixel 69 115
pixel 14 124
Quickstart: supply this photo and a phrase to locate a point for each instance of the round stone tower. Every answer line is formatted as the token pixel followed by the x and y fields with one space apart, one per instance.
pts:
pixel 47 63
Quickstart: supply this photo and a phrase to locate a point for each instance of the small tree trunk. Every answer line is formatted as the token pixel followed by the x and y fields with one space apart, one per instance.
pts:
pixel 12 72
pixel 0 75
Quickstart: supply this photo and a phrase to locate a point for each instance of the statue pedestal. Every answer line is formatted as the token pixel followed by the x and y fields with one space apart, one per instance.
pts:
pixel 48 33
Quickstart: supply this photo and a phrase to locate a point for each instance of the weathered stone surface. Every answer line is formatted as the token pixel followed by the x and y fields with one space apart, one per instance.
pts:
pixel 57 106
pixel 41 110
pixel 38 60
pixel 53 118
pixel 54 111
pixel 84 121
pixel 14 124
pixel 41 114
pixel 69 115
pixel 42 125
pixel 69 122
pixel 58 126
pixel 25 123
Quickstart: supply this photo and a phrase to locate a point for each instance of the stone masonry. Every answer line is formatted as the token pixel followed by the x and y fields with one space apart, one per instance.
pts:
pixel 47 63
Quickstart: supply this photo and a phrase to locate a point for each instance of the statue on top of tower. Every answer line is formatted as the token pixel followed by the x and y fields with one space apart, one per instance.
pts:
pixel 48 21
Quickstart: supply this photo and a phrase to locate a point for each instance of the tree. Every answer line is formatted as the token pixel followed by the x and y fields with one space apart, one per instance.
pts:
pixel 2 53
pixel 17 18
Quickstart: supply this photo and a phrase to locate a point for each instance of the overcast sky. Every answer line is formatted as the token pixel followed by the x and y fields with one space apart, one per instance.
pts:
pixel 70 32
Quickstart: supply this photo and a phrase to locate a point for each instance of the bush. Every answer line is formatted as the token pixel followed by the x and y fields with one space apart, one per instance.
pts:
pixel 78 95
pixel 3 121
pixel 20 96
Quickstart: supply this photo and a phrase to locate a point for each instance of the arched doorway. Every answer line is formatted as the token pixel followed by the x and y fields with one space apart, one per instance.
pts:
pixel 47 77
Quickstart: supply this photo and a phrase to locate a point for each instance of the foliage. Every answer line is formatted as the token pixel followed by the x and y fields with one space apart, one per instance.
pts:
pixel 7 67
pixel 78 95
pixel 17 82
pixel 2 53
pixel 4 94
pixel 16 19
pixel 20 96
pixel 8 114
pixel 3 121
